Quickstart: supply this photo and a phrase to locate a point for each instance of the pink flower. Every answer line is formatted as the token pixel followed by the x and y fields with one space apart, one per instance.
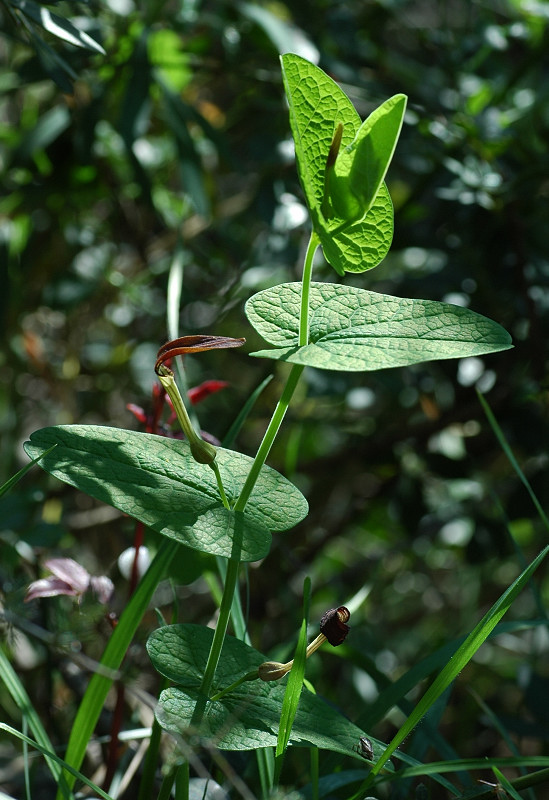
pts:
pixel 69 578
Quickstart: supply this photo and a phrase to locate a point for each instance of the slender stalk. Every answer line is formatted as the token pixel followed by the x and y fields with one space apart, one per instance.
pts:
pixel 249 676
pixel 165 791
pixel 314 241
pixel 233 565
pixel 269 437
pixel 220 486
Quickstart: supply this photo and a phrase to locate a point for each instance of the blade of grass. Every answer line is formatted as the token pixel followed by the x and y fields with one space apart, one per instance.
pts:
pixel 52 757
pixel 22 700
pixel 468 764
pixel 232 433
pixel 394 694
pixel 265 765
pixel 175 286
pixel 9 484
pixel 293 687
pixel 502 780
pixel 514 463
pixel 94 698
pixel 511 456
pixel 26 764
pixel 148 775
pixel 462 656
pixel 500 728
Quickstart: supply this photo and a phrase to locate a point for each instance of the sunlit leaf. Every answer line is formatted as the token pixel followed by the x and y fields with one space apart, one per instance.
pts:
pixel 317 108
pixel 354 329
pixel 359 170
pixel 364 244
pixel 156 480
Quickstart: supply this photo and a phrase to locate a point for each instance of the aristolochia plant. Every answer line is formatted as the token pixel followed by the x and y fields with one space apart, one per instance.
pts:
pixel 227 504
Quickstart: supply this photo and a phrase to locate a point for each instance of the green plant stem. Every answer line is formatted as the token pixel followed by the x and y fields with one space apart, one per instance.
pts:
pixel 233 566
pixel 166 786
pixel 220 487
pixel 249 676
pixel 314 242
pixel 269 437
pixel 146 785
pixel 182 782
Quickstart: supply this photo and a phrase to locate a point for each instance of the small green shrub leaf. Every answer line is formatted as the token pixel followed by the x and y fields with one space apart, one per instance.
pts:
pixel 354 329
pixel 156 480
pixel 249 716
pixel 318 107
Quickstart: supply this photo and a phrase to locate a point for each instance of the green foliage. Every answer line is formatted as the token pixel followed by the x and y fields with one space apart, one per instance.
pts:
pixel 175 141
pixel 157 481
pixel 32 19
pixel 462 656
pixel 357 175
pixel 248 717
pixel 353 241
pixel 352 329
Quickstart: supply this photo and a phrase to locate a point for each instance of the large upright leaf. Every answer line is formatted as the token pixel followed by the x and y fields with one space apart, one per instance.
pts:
pixel 317 106
pixel 353 329
pixel 156 480
pixel 249 716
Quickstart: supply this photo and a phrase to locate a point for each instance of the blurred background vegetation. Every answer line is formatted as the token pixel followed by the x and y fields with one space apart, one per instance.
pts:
pixel 174 143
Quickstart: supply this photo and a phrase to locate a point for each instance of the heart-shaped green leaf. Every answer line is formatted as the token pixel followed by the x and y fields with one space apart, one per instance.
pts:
pixel 157 481
pixel 317 107
pixel 248 717
pixel 353 329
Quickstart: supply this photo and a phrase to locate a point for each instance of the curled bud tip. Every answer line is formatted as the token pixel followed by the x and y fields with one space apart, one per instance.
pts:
pixel 333 625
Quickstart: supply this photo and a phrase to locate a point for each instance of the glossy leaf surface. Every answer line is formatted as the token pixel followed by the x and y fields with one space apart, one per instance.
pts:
pixel 156 480
pixel 354 329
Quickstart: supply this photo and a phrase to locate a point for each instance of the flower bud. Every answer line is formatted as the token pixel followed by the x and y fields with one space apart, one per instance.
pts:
pixel 202 451
pixel 333 626
pixel 273 670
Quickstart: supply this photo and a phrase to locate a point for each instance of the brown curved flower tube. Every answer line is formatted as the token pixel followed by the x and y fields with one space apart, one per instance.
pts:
pixel 196 343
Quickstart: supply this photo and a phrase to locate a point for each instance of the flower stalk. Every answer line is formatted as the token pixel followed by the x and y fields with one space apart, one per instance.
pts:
pixel 201 451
